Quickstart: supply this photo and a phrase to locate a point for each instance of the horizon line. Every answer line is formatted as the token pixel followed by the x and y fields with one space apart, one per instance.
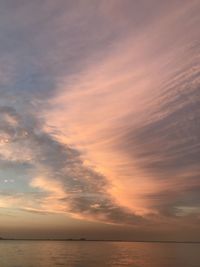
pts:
pixel 97 240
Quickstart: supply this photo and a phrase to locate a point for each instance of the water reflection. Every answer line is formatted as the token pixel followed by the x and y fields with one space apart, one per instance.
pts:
pixel 98 254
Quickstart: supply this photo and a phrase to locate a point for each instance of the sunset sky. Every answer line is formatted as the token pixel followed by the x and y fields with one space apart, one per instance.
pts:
pixel 100 119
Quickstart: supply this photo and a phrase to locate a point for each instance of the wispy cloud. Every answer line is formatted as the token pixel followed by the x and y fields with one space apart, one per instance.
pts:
pixel 67 185
pixel 99 109
pixel 134 113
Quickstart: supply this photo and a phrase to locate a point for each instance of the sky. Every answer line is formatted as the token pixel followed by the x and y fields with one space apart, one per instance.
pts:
pixel 100 119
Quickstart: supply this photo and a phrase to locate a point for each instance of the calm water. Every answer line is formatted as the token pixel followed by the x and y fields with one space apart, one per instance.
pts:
pixel 97 254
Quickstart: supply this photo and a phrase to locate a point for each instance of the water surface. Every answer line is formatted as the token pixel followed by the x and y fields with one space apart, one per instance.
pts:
pixel 97 254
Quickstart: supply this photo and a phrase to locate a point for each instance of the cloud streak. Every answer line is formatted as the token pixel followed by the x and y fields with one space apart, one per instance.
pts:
pixel 99 114
pixel 134 114
pixel 67 185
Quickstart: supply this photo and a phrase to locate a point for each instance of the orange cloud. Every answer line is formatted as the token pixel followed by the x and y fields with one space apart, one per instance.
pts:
pixel 123 91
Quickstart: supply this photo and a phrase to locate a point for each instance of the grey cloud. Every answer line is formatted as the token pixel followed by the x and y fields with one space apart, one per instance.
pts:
pixel 171 143
pixel 167 144
pixel 40 43
pixel 86 189
pixel 176 202
pixel 104 206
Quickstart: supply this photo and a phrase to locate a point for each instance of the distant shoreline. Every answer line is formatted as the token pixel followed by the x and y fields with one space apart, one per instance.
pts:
pixel 98 240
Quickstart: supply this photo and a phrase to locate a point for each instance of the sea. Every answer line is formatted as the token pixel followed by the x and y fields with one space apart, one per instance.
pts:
pixel 15 253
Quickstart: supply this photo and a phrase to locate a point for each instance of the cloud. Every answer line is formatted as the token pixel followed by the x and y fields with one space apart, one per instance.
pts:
pixel 134 114
pixel 99 109
pixel 65 185
pixel 166 145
